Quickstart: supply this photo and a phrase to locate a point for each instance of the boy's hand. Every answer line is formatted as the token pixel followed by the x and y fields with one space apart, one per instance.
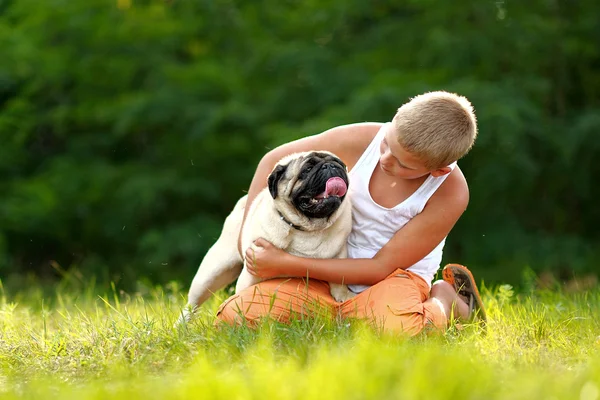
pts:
pixel 264 260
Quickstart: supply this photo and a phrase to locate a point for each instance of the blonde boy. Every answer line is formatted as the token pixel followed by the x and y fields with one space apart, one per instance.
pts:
pixel 407 194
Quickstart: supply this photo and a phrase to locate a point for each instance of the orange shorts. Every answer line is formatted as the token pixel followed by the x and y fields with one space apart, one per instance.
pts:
pixel 398 303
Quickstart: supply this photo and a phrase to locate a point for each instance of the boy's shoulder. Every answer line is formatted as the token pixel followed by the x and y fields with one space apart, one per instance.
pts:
pixel 453 193
pixel 355 138
pixel 363 130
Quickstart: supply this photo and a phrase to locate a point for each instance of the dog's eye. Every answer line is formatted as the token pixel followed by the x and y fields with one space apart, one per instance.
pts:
pixel 308 169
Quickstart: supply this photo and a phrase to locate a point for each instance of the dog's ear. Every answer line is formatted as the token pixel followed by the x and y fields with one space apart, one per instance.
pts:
pixel 274 179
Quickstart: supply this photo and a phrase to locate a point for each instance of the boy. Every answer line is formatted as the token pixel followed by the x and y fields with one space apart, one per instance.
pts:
pixel 407 193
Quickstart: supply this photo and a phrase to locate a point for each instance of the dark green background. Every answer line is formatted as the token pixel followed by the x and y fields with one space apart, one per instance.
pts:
pixel 129 128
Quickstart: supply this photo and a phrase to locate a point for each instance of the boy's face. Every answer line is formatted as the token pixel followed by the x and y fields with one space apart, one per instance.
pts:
pixel 397 162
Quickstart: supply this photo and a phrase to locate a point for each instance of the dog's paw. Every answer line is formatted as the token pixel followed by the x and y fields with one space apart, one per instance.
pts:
pixel 341 293
pixel 185 316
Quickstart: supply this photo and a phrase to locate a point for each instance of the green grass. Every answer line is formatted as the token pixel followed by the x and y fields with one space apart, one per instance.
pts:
pixel 543 345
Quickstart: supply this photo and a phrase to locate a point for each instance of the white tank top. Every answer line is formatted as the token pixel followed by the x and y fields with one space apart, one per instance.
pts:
pixel 373 225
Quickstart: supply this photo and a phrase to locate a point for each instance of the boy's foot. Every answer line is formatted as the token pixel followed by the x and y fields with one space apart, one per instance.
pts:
pixel 461 278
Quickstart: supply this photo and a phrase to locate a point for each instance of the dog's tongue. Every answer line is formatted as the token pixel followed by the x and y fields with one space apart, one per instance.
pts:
pixel 334 187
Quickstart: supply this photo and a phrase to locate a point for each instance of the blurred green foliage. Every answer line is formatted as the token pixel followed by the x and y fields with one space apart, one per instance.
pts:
pixel 128 128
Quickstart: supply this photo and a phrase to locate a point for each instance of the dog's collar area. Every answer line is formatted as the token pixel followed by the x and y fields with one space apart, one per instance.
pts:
pixel 281 217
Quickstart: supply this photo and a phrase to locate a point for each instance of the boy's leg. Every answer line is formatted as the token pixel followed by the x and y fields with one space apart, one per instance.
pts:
pixel 399 303
pixel 403 303
pixel 445 297
pixel 463 284
pixel 278 299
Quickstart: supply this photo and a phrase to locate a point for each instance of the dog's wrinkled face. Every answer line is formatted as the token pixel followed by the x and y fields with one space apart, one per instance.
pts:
pixel 313 183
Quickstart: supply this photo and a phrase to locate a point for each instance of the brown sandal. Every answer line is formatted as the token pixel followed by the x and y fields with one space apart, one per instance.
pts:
pixel 463 282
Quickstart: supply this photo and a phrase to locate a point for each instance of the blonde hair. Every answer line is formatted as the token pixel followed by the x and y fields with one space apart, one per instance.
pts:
pixel 437 127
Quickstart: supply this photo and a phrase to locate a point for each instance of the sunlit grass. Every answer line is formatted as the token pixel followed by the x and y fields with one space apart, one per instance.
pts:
pixel 76 344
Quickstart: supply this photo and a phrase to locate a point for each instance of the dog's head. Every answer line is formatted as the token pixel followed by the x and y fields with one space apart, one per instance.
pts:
pixel 309 188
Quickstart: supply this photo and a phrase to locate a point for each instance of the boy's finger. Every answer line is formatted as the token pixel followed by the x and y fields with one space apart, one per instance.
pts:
pixel 261 242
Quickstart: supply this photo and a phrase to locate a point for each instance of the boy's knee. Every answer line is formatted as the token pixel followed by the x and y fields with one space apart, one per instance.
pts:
pixel 226 313
pixel 441 287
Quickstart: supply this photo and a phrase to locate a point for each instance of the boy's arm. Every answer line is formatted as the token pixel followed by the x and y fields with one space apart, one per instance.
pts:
pixel 347 141
pixel 408 246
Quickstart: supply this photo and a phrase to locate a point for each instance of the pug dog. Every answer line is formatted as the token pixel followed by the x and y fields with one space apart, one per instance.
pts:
pixel 303 210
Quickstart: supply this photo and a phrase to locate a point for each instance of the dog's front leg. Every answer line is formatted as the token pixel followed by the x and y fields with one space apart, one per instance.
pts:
pixel 246 279
pixel 341 292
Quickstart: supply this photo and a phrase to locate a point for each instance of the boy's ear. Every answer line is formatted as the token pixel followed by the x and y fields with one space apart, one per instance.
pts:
pixel 441 172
